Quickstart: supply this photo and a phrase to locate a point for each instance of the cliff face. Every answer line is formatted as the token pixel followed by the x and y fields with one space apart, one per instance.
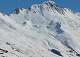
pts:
pixel 44 30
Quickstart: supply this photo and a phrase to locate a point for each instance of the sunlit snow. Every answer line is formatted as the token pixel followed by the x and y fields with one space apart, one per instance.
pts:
pixel 45 30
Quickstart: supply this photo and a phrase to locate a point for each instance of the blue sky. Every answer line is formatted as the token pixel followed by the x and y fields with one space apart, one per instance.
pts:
pixel 8 6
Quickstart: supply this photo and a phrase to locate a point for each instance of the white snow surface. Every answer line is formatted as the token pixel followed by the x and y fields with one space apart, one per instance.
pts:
pixel 35 32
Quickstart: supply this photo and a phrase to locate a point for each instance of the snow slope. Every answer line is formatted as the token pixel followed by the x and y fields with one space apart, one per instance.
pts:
pixel 44 30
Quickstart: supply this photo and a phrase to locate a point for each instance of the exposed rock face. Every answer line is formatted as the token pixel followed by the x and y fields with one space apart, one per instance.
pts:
pixel 45 30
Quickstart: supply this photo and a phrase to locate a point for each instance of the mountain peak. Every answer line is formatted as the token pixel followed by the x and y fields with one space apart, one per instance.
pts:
pixel 41 31
pixel 39 7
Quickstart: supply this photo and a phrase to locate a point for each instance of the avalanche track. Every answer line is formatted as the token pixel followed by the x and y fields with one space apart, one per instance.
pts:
pixel 44 30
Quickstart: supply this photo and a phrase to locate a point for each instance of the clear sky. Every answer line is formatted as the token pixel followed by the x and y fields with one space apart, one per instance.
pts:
pixel 8 6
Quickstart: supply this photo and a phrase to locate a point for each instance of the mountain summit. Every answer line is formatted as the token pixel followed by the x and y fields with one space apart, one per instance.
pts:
pixel 44 30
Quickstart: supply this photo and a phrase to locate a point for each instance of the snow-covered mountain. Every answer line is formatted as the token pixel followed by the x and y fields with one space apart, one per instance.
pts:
pixel 44 30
